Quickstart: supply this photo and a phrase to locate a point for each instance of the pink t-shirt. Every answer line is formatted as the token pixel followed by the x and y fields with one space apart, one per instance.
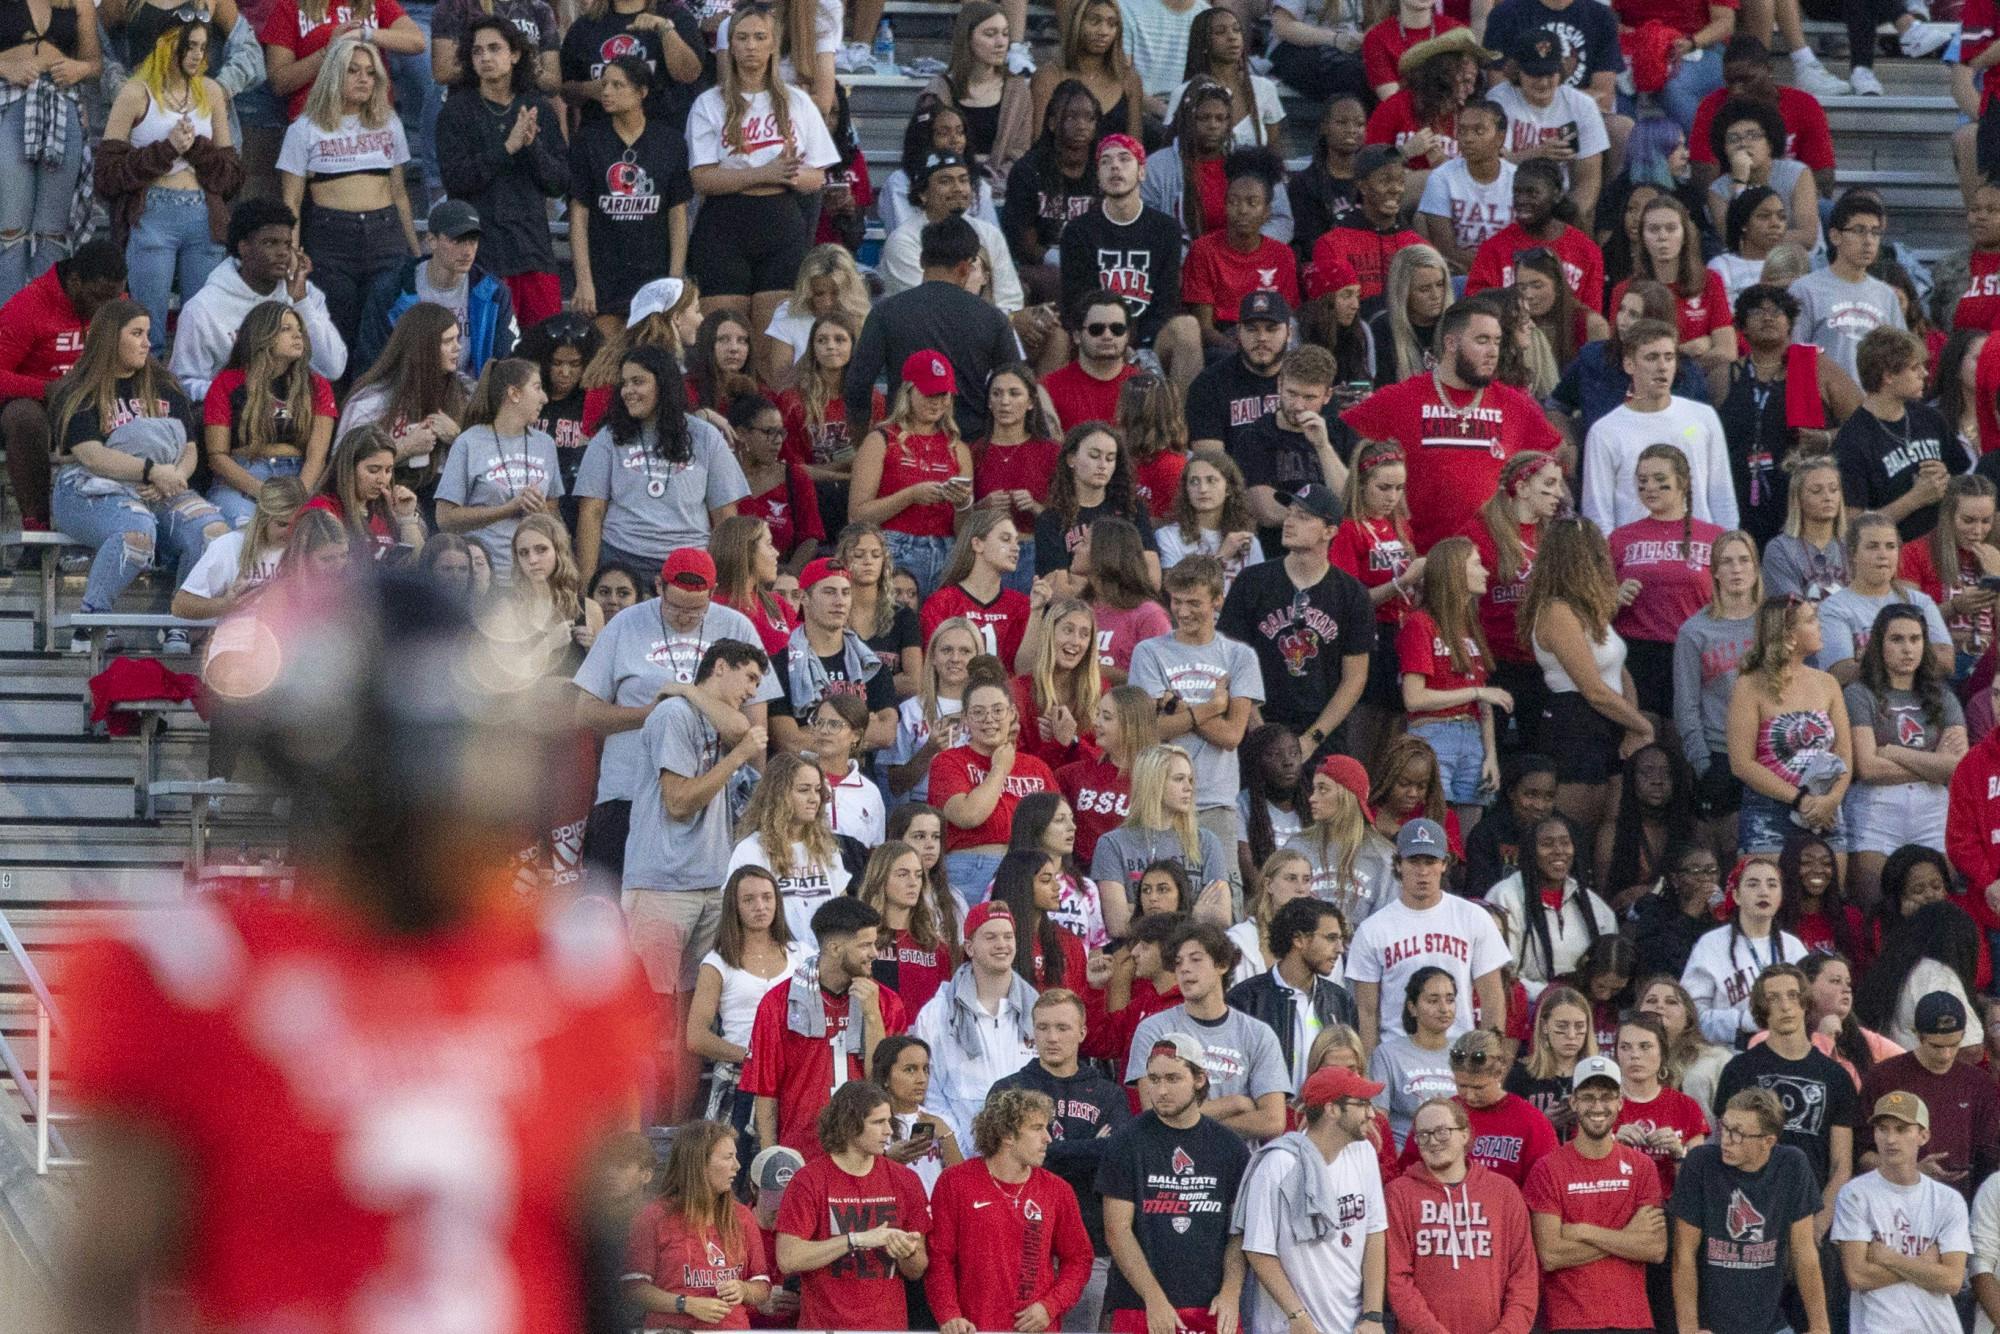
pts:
pixel 1119 632
pixel 1674 575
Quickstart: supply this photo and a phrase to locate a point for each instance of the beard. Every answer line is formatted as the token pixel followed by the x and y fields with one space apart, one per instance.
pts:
pixel 1462 371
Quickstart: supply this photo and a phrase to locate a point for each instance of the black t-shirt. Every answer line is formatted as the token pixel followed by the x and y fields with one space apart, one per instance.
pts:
pixel 1387 372
pixel 1056 541
pixel 1300 635
pixel 1746 1231
pixel 1818 1095
pixel 1041 201
pixel 592 43
pixel 1550 1096
pixel 1227 398
pixel 85 425
pixel 1589 34
pixel 904 631
pixel 880 690
pixel 1319 204
pixel 629 191
pixel 562 422
pixel 1085 1103
pixel 1182 1185
pixel 1139 260
pixel 1879 460
pixel 1283 460
pixel 1753 425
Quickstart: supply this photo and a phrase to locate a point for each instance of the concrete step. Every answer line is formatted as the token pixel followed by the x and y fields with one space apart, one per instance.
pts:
pixel 40 709
pixel 27 794
pixel 70 883
pixel 182 756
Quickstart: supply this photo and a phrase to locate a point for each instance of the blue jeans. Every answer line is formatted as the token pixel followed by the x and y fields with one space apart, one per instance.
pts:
pixel 237 507
pixel 1763 825
pixel 418 99
pixel 129 534
pixel 170 248
pixel 1460 752
pixel 34 199
pixel 971 873
pixel 923 557
pixel 1695 79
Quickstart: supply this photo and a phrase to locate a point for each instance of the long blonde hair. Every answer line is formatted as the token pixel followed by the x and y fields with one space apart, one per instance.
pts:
pixel 1406 352
pixel 885 588
pixel 1148 809
pixel 1262 910
pixel 325 106
pixel 834 262
pixel 769 816
pixel 900 416
pixel 1337 840
pixel 565 583
pixel 1772 654
pixel 873 890
pixel 814 391
pixel 927 684
pixel 279 501
pixel 1541 1060
pixel 266 387
pixel 1080 686
pixel 1509 552
pixel 736 97
pixel 1798 466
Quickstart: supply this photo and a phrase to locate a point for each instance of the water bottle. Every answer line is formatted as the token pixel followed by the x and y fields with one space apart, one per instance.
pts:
pixel 885 48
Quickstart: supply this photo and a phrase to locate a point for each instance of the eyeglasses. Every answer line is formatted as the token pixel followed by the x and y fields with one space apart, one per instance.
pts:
pixel 767 432
pixel 1744 137
pixel 828 722
pixel 1735 1136
pixel 1100 328
pixel 1442 1135
pixel 1701 872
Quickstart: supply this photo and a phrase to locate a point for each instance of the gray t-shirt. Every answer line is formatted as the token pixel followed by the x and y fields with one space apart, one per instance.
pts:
pixel 1410 1077
pixel 1192 671
pixel 1837 314
pixel 633 657
pixel 1847 619
pixel 1125 853
pixel 1705 656
pixel 1899 719
pixel 1242 1053
pixel 1794 569
pixel 627 476
pixel 660 851
pixel 458 300
pixel 482 470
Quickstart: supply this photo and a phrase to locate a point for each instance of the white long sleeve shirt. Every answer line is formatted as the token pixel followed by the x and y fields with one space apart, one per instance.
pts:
pixel 1720 971
pixel 211 317
pixel 1611 457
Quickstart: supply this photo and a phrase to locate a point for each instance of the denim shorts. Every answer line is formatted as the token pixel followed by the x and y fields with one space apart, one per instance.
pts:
pixel 1763 825
pixel 924 557
pixel 1460 754
pixel 1882 817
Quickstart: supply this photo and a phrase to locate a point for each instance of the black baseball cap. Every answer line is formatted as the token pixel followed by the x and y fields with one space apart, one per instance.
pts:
pixel 1317 501
pixel 1538 52
pixel 1940 1012
pixel 1269 307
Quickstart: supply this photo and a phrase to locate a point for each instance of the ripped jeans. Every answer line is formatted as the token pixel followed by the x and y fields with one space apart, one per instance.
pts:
pixel 34 200
pixel 128 534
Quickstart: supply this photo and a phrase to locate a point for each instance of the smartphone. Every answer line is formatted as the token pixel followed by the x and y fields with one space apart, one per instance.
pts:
pixel 958 481
pixel 1990 582
pixel 922 1131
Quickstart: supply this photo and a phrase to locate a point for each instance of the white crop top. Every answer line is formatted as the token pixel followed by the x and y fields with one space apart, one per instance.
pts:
pixel 761 140
pixel 1608 656
pixel 158 123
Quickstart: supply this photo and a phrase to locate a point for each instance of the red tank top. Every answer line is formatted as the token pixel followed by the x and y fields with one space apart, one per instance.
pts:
pixel 910 460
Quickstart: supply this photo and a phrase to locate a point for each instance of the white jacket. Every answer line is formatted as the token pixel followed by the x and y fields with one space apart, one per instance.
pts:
pixel 211 317
pixel 1569 931
pixel 1719 974
pixel 902 268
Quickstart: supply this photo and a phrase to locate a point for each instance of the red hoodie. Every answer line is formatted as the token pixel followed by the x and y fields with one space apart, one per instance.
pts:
pixel 1461 1258
pixel 40 338
pixel 997 1250
pixel 1972 823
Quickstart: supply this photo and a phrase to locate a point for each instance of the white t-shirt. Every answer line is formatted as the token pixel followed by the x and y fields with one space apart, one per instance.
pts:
pixel 743 991
pixel 1325 1272
pixel 1270 112
pixel 1908 1220
pixel 809 886
pixel 1530 126
pixel 912 734
pixel 310 151
pixel 1174 549
pixel 762 142
pixel 1611 459
pixel 1985 1243
pixel 1476 211
pixel 1396 940
pixel 215 572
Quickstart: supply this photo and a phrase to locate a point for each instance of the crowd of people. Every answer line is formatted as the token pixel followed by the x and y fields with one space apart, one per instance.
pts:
pixel 1101 709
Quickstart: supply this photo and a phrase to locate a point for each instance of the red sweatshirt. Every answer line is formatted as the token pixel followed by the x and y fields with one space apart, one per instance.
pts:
pixel 1972 824
pixel 997 1250
pixel 1509 1136
pixel 1461 1258
pixel 40 338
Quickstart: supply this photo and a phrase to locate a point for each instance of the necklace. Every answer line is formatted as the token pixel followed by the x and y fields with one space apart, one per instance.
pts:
pixel 500 112
pixel 1013 1197
pixel 1464 416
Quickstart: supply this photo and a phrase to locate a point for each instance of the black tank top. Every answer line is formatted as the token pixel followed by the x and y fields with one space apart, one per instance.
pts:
pixel 17 27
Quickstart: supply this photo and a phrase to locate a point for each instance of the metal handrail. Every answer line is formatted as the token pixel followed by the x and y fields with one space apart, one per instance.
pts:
pixel 48 1024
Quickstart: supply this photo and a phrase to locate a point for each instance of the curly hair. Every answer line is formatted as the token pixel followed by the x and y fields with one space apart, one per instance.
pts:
pixel 1006 1112
pixel 841 1120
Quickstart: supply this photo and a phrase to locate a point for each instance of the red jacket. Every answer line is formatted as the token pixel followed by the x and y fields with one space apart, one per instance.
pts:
pixel 41 337
pixel 1972 826
pixel 1461 1258
pixel 996 1250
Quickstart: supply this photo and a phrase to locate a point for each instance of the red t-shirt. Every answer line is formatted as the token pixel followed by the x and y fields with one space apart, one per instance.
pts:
pixel 1919 566
pixel 1699 315
pixel 469 1073
pixel 285 26
pixel 1453 453
pixel 908 460
pixel 1101 798
pixel 774 618
pixel 1582 261
pixel 912 970
pixel 1686 17
pixel 1217 274
pixel 798 1071
pixel 1395 121
pixel 1609 1293
pixel 1366 249
pixel 1979 305
pixel 378 523
pixel 1501 604
pixel 1047 749
pixel 1676 582
pixel 1510 1137
pixel 1977 23
pixel 1157 479
pixel 1383 46
pixel 1421 650
pixel 662 1250
pixel 1670 1109
pixel 998 1249
pixel 863 1289
pixel 1023 467
pixel 1211 186
pixel 1122 629
pixel 805 443
pixel 1373 551
pixel 1081 397
pixel 1001 623
pixel 791 508
pixel 224 405
pixel 961 769
pixel 1807 135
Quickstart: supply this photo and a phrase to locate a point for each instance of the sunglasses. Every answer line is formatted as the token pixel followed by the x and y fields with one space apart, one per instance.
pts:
pixel 1101 328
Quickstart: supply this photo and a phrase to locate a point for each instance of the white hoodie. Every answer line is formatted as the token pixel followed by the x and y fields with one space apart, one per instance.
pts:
pixel 1719 974
pixel 1569 933
pixel 210 319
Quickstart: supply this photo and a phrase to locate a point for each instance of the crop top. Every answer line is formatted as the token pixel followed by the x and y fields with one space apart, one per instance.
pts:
pixel 158 123
pixel 351 150
pixel 17 27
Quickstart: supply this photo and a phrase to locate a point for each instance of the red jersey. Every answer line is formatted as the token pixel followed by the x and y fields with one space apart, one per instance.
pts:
pixel 1605 1192
pixel 1000 623
pixel 773 616
pixel 1670 1109
pixel 1218 275
pixel 1157 479
pixel 961 769
pixel 1047 749
pixel 824 444
pixel 1023 467
pixel 1384 45
pixel 1500 605
pixel 1699 315
pixel 1509 1137
pixel 1373 551
pixel 1366 249
pixel 1080 396
pixel 1673 574
pixel 1582 262
pixel 285 25
pixel 1454 446
pixel 996 1250
pixel 909 968
pixel 791 509
pixel 1395 122
pixel 1421 651
pixel 909 460
pixel 798 1071
pixel 662 1250
pixel 369 1121
pixel 1807 135
pixel 863 1289
pixel 1101 798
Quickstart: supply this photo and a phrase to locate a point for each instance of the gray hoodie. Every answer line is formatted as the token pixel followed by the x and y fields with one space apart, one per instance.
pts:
pixel 210 319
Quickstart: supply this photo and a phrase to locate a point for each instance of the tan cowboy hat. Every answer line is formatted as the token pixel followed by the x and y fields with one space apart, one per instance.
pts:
pixel 1457 41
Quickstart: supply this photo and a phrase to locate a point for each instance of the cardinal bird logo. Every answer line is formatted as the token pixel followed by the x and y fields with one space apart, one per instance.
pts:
pixel 716 1257
pixel 1031 1211
pixel 1184 1164
pixel 1909 731
pixel 1795 734
pixel 1743 1220
pixel 1298 648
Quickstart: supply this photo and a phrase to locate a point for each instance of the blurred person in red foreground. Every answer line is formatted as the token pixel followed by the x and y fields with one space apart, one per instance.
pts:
pixel 377 1104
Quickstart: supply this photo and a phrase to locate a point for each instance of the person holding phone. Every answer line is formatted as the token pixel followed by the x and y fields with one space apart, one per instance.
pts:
pixel 913 472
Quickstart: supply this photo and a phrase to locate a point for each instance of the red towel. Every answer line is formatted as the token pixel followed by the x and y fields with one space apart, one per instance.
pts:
pixel 1647 49
pixel 1804 409
pixel 130 680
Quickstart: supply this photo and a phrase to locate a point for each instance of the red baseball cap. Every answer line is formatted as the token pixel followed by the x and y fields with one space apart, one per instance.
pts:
pixel 983 913
pixel 690 568
pixel 1347 771
pixel 826 567
pixel 928 372
pixel 1331 1083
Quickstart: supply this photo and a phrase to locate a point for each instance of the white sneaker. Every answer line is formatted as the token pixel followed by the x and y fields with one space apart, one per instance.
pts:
pixel 1862 79
pixel 79 643
pixel 174 643
pixel 1820 81
pixel 1922 39
pixel 1021 61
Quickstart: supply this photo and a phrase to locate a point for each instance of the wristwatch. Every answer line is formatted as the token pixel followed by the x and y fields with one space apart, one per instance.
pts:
pixel 680 1304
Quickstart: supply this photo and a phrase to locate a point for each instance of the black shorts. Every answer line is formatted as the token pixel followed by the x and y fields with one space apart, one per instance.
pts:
pixel 1582 741
pixel 746 244
pixel 1651 663
pixel 1718 792
pixel 604 843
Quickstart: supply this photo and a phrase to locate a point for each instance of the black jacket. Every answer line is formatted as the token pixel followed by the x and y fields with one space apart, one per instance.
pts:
pixel 511 191
pixel 1261 998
